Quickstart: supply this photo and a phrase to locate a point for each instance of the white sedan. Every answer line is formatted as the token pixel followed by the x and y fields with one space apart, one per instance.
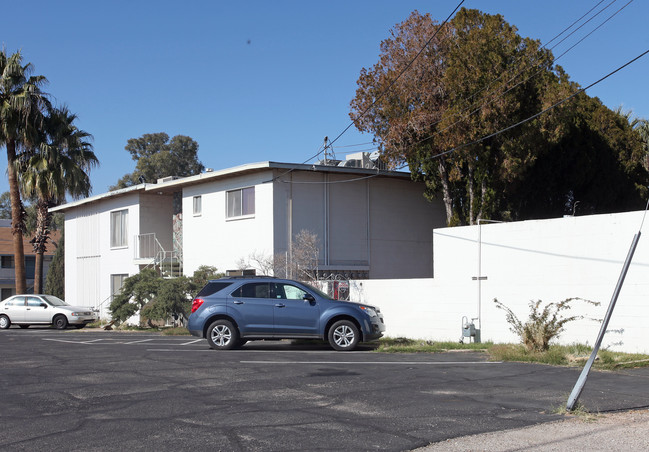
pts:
pixel 25 310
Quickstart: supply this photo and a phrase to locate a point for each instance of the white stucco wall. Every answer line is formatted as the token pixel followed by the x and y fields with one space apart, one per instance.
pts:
pixel 549 260
pixel 211 239
pixel 89 259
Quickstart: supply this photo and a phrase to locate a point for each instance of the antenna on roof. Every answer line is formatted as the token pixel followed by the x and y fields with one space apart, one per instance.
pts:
pixel 325 149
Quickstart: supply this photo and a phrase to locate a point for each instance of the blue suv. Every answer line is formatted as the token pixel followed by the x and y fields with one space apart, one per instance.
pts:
pixel 232 311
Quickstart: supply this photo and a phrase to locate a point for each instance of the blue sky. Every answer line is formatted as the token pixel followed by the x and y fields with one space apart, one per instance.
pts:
pixel 253 81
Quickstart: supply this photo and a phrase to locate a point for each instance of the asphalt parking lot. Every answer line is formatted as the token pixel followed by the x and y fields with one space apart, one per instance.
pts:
pixel 96 390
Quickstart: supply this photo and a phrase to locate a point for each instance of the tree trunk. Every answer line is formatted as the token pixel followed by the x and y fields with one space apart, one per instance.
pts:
pixel 446 191
pixel 39 242
pixel 38 273
pixel 17 219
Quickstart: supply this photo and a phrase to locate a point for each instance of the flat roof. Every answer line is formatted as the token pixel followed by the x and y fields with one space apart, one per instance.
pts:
pixel 176 184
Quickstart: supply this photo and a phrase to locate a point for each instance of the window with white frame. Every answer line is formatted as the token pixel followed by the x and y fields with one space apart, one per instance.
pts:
pixel 240 203
pixel 119 229
pixel 198 206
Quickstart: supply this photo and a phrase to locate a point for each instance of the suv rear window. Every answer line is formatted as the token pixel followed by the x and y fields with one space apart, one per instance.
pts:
pixel 211 288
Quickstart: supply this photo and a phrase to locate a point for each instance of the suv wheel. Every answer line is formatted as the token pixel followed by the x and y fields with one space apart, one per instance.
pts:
pixel 343 335
pixel 222 335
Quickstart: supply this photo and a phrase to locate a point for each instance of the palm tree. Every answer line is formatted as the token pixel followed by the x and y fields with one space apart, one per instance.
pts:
pixel 58 167
pixel 21 106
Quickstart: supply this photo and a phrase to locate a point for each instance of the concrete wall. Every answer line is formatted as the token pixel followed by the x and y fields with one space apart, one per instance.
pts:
pixel 550 260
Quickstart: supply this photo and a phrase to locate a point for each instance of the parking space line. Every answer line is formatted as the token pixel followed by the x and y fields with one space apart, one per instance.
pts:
pixel 408 363
pixel 192 342
pixel 137 342
pixel 73 342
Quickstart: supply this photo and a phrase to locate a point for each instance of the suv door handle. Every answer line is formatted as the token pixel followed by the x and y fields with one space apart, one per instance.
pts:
pixel 237 302
pixel 280 305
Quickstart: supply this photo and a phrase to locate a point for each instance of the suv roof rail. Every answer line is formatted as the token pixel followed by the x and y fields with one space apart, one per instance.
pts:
pixel 249 277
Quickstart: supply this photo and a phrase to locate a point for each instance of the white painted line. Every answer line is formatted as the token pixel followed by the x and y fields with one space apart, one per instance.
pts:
pixel 192 342
pixel 408 363
pixel 71 342
pixel 137 342
pixel 178 350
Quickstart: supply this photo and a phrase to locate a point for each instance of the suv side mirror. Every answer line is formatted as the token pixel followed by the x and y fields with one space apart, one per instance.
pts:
pixel 308 297
pixel 43 305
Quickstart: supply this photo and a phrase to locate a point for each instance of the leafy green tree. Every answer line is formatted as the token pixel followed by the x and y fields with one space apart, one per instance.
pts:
pixel 201 276
pixel 58 167
pixel 158 157
pixel 641 126
pixel 137 291
pixel 475 76
pixel 55 280
pixel 21 115
pixel 158 298
pixel 438 113
pixel 172 299
pixel 594 166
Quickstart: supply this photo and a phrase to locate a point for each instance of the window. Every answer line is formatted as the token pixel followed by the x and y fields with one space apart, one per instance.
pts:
pixel 34 301
pixel 6 292
pixel 240 202
pixel 118 228
pixel 116 283
pixel 211 288
pixel 198 205
pixel 252 290
pixel 7 262
pixel 288 292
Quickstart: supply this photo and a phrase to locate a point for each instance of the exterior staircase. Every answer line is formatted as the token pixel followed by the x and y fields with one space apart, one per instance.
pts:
pixel 150 253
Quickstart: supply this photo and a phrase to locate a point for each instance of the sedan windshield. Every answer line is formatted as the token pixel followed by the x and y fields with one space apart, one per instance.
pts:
pixel 54 301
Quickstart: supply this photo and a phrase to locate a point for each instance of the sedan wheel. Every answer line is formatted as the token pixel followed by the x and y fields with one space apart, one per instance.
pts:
pixel 343 335
pixel 222 335
pixel 4 322
pixel 60 322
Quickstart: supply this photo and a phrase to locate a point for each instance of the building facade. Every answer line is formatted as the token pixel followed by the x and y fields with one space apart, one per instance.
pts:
pixel 368 223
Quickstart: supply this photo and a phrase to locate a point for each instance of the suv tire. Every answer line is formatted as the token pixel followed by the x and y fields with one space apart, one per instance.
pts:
pixel 222 335
pixel 343 335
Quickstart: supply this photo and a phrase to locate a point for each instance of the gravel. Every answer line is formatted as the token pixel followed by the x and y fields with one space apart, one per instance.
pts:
pixel 603 432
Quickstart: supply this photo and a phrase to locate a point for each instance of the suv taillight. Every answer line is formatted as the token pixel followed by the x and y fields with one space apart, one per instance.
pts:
pixel 196 304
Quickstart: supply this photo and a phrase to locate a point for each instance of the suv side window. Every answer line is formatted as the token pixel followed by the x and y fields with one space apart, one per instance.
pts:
pixel 211 288
pixel 288 292
pixel 253 290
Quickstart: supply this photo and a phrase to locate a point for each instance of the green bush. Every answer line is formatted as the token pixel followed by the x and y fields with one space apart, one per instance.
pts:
pixel 543 325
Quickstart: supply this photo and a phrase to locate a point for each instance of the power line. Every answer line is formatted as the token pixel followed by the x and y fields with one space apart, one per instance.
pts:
pixel 381 94
pixel 488 87
pixel 489 101
pixel 364 112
